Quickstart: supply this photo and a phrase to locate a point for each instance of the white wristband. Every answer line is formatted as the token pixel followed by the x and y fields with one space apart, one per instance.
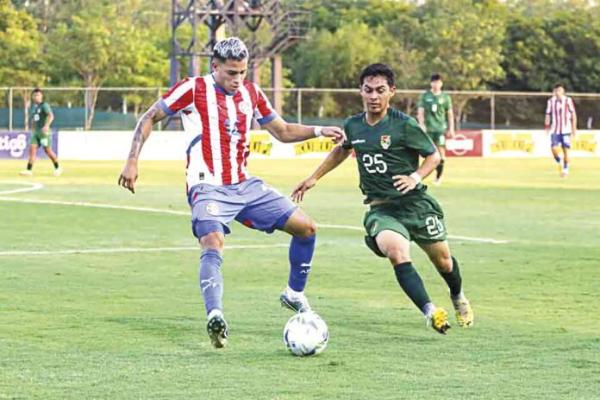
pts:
pixel 416 177
pixel 318 131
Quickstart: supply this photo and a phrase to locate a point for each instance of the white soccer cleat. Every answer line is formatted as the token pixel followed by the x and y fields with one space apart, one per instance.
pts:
pixel 26 172
pixel 564 173
pixel 58 171
pixel 295 301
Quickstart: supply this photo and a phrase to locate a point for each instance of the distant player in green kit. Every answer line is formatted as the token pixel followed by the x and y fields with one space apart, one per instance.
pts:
pixel 435 114
pixel 41 118
pixel 388 144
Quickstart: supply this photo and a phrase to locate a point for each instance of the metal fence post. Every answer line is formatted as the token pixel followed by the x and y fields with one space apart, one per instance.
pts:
pixel 493 111
pixel 158 95
pixel 10 109
pixel 299 105
pixel 85 108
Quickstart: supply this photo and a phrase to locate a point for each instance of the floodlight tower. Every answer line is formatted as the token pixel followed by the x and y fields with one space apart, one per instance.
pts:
pixel 282 25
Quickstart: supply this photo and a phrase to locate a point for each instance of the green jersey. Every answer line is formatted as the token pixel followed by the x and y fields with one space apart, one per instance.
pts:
pixel 390 147
pixel 39 115
pixel 436 109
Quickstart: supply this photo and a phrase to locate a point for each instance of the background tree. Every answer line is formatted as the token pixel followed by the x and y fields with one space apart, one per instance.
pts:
pixel 20 52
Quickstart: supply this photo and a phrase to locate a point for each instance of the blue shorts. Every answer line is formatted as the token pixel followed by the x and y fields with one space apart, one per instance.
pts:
pixel 561 139
pixel 252 203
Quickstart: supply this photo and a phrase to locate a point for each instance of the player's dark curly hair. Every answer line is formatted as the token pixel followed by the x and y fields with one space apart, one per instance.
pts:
pixel 378 69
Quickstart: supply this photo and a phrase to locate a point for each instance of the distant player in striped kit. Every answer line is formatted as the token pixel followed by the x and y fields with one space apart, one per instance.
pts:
pixel 218 109
pixel 561 124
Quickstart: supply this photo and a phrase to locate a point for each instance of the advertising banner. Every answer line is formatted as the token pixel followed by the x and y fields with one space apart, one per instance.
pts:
pixel 465 144
pixel 14 144
pixel 536 143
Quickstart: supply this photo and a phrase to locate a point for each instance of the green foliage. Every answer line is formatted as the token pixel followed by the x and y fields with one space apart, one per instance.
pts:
pixel 336 59
pixel 462 39
pixel 20 48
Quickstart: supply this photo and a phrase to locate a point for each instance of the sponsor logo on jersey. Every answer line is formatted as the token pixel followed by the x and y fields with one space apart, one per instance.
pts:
pixel 386 141
pixel 245 107
pixel 357 141
pixel 212 208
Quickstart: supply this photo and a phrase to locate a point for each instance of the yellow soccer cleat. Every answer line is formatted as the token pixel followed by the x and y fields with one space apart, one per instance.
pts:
pixel 438 320
pixel 464 312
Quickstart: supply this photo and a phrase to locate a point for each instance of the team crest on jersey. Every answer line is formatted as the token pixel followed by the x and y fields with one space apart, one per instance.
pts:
pixel 386 141
pixel 212 208
pixel 245 107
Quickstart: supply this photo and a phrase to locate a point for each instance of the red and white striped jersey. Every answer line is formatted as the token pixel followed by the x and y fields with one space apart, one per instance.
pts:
pixel 561 113
pixel 219 123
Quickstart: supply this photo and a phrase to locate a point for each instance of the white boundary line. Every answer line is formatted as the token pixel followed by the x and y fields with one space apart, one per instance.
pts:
pixel 132 250
pixel 32 187
pixel 186 213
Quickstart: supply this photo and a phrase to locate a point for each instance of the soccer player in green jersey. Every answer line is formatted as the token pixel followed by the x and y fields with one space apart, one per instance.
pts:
pixel 41 118
pixel 435 114
pixel 388 145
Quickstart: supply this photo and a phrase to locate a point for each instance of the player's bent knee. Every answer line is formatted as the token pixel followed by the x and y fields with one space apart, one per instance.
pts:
pixel 396 255
pixel 443 264
pixel 310 229
pixel 213 240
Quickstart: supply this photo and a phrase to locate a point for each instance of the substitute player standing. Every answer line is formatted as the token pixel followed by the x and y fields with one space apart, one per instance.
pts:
pixel 561 124
pixel 435 114
pixel 218 109
pixel 41 118
pixel 388 144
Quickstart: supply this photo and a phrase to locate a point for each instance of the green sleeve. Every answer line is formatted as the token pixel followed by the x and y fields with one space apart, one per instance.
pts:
pixel 46 108
pixel 417 139
pixel 347 144
pixel 448 103
pixel 421 103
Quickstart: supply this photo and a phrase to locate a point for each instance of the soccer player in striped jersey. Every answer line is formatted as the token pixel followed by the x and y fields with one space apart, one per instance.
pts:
pixel 218 109
pixel 561 124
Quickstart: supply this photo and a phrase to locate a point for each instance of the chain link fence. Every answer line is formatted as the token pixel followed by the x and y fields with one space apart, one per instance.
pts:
pixel 119 108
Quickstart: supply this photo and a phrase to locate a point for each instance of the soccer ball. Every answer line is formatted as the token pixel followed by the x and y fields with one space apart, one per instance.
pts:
pixel 305 334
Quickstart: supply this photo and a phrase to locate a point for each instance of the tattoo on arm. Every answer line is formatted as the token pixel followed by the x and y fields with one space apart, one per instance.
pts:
pixel 144 128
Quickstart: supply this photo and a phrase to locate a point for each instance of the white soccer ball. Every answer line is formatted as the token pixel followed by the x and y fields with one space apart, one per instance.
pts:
pixel 306 334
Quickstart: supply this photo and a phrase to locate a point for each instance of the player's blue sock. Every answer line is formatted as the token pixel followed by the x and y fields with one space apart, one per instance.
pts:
pixel 557 159
pixel 211 280
pixel 301 253
pixel 566 165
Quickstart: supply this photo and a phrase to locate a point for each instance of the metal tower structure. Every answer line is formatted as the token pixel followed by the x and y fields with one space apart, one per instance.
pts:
pixel 248 19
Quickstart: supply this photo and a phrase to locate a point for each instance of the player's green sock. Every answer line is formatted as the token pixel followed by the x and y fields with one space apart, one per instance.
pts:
pixel 29 166
pixel 412 284
pixel 439 170
pixel 453 279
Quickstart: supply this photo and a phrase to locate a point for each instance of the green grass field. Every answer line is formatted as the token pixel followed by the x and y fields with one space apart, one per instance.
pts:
pixel 131 324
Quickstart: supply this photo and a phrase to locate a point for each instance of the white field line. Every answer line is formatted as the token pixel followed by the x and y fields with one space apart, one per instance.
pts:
pixel 32 186
pixel 186 213
pixel 132 250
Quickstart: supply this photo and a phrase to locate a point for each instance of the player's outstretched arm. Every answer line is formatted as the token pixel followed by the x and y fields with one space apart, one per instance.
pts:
pixel 406 183
pixel 333 159
pixel 141 133
pixel 289 133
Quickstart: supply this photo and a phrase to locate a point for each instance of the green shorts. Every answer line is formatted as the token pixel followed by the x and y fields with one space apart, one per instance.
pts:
pixel 39 138
pixel 439 138
pixel 419 218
